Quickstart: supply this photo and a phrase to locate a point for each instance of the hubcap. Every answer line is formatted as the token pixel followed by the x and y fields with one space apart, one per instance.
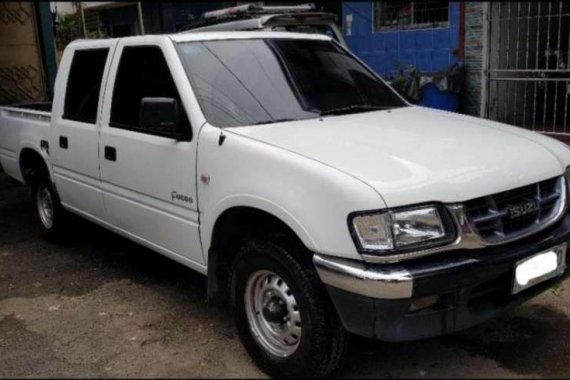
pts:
pixel 45 207
pixel 273 313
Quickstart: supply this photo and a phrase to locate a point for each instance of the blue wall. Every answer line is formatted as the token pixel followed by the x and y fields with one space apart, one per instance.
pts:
pixel 426 49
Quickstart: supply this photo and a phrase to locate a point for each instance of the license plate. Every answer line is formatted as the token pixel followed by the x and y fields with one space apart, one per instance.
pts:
pixel 540 267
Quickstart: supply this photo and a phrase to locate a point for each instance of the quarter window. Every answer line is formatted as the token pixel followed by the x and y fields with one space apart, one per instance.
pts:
pixel 84 85
pixel 143 72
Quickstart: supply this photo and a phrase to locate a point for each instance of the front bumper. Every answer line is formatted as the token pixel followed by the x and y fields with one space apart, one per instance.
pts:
pixel 470 287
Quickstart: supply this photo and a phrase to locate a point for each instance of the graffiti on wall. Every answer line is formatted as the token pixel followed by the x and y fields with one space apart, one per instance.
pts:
pixel 14 13
pixel 22 77
pixel 19 83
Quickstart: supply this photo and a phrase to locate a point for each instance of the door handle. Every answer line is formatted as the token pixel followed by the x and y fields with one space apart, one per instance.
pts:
pixel 110 153
pixel 63 144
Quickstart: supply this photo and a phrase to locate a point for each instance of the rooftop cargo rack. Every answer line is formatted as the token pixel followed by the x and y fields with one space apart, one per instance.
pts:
pixel 245 11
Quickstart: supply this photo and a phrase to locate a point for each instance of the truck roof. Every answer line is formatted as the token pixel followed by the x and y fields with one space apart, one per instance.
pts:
pixel 208 36
pixel 230 35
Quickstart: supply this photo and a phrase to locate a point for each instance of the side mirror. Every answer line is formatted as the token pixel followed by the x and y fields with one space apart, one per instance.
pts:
pixel 162 116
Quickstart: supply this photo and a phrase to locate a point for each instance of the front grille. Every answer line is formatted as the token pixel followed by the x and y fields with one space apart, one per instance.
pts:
pixel 511 213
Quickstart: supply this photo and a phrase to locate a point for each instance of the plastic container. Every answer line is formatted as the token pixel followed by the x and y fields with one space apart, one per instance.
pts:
pixel 433 97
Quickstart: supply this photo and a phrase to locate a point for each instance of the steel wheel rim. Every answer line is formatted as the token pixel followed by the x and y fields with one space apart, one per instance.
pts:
pixel 45 207
pixel 268 298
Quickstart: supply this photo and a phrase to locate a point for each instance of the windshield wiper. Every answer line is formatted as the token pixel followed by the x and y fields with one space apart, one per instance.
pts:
pixel 355 108
pixel 272 121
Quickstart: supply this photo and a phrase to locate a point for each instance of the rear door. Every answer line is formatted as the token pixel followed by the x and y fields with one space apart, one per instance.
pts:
pixel 149 177
pixel 74 136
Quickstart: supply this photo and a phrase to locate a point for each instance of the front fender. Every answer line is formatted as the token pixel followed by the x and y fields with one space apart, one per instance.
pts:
pixel 312 198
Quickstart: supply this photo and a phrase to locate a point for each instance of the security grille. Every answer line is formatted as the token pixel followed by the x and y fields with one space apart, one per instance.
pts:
pixel 529 65
pixel 514 212
pixel 410 14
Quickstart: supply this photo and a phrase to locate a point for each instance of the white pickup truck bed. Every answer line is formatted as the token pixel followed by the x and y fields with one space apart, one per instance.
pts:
pixel 20 127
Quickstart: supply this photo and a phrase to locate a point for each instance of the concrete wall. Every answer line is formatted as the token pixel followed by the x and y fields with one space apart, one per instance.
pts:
pixel 63 7
pixel 470 100
pixel 22 75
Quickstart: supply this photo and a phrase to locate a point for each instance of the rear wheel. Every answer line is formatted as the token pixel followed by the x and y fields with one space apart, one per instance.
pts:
pixel 50 215
pixel 283 314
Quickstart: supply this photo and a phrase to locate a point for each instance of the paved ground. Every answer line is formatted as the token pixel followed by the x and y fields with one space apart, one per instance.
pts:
pixel 105 307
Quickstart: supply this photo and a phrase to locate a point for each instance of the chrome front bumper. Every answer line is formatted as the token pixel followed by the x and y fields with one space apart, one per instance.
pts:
pixel 409 279
pixel 452 291
pixel 355 277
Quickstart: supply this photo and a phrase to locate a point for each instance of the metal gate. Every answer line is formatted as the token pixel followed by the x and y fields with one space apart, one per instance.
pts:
pixel 529 65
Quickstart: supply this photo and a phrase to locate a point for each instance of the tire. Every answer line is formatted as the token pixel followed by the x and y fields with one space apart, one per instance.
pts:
pixel 51 218
pixel 316 343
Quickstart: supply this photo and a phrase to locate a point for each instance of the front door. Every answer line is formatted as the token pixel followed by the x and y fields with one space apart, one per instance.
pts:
pixel 148 176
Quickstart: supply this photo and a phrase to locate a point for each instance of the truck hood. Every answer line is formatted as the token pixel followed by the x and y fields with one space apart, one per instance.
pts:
pixel 415 154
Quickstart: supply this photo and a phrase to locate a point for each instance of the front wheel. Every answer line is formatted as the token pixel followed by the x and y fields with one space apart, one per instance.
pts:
pixel 282 312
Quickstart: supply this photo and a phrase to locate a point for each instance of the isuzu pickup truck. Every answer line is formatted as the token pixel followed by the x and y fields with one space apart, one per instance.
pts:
pixel 317 201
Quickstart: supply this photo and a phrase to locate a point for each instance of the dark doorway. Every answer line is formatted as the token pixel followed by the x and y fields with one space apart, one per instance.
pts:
pixel 122 30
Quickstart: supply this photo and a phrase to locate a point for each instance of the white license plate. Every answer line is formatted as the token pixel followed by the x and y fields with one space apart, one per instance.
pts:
pixel 540 267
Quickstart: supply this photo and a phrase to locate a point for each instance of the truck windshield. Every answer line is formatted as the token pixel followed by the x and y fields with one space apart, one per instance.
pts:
pixel 259 81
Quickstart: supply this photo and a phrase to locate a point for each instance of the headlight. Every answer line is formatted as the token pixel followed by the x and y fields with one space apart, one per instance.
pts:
pixel 394 230
pixel 374 231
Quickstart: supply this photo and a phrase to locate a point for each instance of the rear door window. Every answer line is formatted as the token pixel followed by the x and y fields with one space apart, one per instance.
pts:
pixel 84 85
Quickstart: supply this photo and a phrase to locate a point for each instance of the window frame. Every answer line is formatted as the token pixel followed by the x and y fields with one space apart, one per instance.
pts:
pixel 185 133
pixel 411 25
pixel 101 86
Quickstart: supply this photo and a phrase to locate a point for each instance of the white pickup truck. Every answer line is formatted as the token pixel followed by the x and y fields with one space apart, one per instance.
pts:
pixel 316 200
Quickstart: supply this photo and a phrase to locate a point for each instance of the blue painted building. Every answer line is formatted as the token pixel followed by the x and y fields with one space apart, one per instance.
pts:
pixel 393 35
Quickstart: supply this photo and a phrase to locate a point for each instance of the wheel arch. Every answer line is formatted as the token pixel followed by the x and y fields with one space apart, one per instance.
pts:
pixel 235 225
pixel 33 165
